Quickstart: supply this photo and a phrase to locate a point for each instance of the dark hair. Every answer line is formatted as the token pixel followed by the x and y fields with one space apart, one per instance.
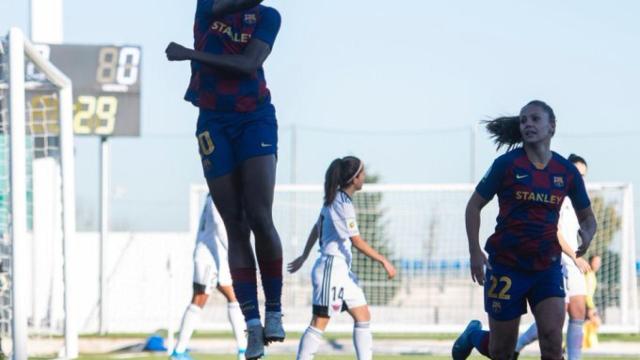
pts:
pixel 505 130
pixel 339 175
pixel 577 159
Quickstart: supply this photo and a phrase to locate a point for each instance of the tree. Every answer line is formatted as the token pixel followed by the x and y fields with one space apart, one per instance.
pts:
pixel 378 289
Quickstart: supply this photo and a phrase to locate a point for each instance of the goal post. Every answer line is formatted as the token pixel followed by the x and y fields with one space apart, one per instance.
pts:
pixel 420 227
pixel 38 148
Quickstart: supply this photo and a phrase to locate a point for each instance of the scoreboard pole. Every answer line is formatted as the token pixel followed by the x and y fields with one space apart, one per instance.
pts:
pixel 104 228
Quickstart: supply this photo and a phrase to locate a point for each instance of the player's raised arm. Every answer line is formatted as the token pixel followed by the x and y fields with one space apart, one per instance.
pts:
pixel 362 246
pixel 296 264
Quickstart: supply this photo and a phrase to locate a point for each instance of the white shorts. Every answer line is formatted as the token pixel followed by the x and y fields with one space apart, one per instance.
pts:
pixel 575 283
pixel 210 264
pixel 335 287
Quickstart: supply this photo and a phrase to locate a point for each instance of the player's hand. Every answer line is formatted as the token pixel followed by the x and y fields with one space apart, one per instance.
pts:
pixel 478 262
pixel 176 52
pixel 296 264
pixel 584 240
pixel 389 268
pixel 582 264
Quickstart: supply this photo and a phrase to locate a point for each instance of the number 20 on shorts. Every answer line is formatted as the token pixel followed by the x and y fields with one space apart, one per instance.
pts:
pixel 504 283
pixel 206 144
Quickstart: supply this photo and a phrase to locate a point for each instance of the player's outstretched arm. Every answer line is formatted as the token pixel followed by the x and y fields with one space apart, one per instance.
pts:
pixel 296 264
pixel 246 64
pixel 472 221
pixel 588 226
pixel 362 246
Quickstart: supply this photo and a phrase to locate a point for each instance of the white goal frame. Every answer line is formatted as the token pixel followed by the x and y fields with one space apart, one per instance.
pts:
pixel 20 49
pixel 630 320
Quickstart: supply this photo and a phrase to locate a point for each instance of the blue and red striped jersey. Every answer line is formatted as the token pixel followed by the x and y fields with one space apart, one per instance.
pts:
pixel 222 91
pixel 530 199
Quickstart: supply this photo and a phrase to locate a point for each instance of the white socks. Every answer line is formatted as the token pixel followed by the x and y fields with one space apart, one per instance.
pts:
pixel 309 343
pixel 237 324
pixel 189 322
pixel 574 339
pixel 362 340
pixel 527 337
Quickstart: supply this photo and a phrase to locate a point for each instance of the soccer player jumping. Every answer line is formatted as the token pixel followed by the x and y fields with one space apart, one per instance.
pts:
pixel 523 266
pixel 237 136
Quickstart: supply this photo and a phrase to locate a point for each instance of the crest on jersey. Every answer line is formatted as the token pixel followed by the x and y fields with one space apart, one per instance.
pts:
pixel 352 224
pixel 250 19
pixel 558 181
pixel 496 307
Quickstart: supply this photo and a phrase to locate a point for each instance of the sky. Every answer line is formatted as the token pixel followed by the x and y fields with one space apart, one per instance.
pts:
pixel 400 84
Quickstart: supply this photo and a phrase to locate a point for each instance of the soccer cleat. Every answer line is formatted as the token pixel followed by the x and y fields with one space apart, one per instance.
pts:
pixel 255 343
pixel 180 356
pixel 463 346
pixel 241 353
pixel 273 330
pixel 515 355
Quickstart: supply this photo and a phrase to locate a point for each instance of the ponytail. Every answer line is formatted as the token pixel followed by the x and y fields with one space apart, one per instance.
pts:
pixel 505 131
pixel 340 174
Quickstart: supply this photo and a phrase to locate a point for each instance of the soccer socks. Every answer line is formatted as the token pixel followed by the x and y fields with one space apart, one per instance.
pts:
pixel 309 343
pixel 237 324
pixel 362 340
pixel 271 275
pixel 245 286
pixel 480 341
pixel 574 339
pixel 189 323
pixel 529 336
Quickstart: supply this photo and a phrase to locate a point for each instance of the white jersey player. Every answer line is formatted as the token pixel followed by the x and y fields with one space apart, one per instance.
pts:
pixel 210 270
pixel 335 287
pixel 574 268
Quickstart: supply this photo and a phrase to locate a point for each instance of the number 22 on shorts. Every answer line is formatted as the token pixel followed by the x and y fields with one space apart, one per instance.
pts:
pixel 505 283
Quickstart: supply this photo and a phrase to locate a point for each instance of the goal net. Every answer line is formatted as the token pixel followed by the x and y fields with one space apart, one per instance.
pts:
pixel 37 209
pixel 421 229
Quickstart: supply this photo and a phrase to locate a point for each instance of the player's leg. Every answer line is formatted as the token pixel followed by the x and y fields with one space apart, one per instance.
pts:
pixel 190 321
pixel 235 318
pixel 576 292
pixel 530 335
pixel 549 313
pixel 258 179
pixel 312 337
pixel 228 200
pixel 322 279
pixel 350 295
pixel 362 338
pixel 503 338
pixel 547 300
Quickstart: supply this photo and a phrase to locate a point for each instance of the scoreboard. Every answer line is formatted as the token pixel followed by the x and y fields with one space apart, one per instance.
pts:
pixel 106 86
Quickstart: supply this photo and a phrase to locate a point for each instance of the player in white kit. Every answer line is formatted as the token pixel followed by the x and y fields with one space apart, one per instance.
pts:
pixel 335 287
pixel 574 268
pixel 210 270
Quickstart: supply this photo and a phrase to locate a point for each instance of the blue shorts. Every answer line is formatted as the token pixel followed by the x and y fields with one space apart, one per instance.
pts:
pixel 507 290
pixel 227 140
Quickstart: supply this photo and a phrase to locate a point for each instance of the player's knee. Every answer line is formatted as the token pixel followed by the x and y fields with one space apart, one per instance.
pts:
pixel 550 339
pixel 199 300
pixel 260 222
